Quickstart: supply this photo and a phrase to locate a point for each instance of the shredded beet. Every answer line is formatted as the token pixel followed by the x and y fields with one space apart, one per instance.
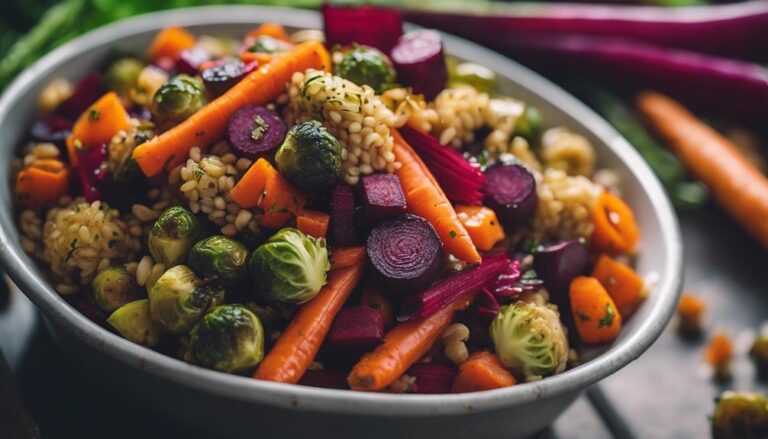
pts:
pixel 420 62
pixel 432 378
pixel 488 304
pixel 382 198
pixel 87 91
pixel 460 180
pixel 360 327
pixel 343 231
pixel 89 171
pixel 255 131
pixel 370 26
pixel 405 253
pixel 326 378
pixel 558 264
pixel 447 289
pixel 510 190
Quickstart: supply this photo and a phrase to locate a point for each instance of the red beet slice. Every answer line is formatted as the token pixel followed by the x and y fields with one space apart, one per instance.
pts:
pixel 432 378
pixel 87 91
pixel 558 264
pixel 343 231
pixel 420 62
pixel 510 190
pixel 222 76
pixel 366 25
pixel 360 327
pixel 89 171
pixel 382 198
pixel 53 129
pixel 327 379
pixel 447 289
pixel 190 60
pixel 254 131
pixel 405 253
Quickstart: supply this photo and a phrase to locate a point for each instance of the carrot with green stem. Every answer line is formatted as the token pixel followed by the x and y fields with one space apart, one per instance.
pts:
pixel 296 348
pixel 260 87
pixel 736 184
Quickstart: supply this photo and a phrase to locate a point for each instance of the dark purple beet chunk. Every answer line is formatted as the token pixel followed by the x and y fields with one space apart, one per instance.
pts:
pixel 87 91
pixel 191 59
pixel 510 190
pixel 432 378
pixel 382 198
pixel 53 129
pixel 360 327
pixel 343 231
pixel 420 62
pixel 326 379
pixel 221 77
pixel 89 171
pixel 405 253
pixel 558 264
pixel 254 131
pixel 141 113
pixel 369 26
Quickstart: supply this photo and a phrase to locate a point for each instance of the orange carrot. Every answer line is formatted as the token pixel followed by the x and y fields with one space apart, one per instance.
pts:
pixel 615 227
pixel 481 224
pixel 739 186
pixel 690 309
pixel 402 347
pixel 260 87
pixel 296 348
pixel 719 353
pixel 482 371
pixel 42 184
pixel 594 313
pixel 373 298
pixel 313 223
pixel 258 57
pixel 170 42
pixel 98 124
pixel 626 288
pixel 344 257
pixel 249 191
pixel 426 199
pixel 274 30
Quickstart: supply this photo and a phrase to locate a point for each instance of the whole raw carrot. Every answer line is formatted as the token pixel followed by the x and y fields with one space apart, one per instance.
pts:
pixel 260 87
pixel 294 351
pixel 736 184
pixel 426 199
pixel 402 347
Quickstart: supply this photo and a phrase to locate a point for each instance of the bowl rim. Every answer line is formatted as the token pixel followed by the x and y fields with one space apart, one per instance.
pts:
pixel 16 263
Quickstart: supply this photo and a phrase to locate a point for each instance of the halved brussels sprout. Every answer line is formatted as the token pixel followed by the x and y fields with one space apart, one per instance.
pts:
pixel 177 99
pixel 179 299
pixel 134 322
pixel 740 415
pixel 122 75
pixel 310 157
pixel 173 234
pixel 366 66
pixel 290 267
pixel 113 287
pixel 229 338
pixel 219 257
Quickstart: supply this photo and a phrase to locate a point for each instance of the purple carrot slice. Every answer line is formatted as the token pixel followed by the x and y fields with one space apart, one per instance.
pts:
pixel 369 26
pixel 86 92
pixel 432 378
pixel 254 131
pixel 359 327
pixel 420 62
pixel 510 190
pixel 343 230
pixel 326 378
pixel 447 289
pixel 558 264
pixel 405 253
pixel 382 198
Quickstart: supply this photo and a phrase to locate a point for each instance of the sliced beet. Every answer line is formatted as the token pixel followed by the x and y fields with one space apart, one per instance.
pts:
pixel 510 190
pixel 53 129
pixel 89 171
pixel 558 264
pixel 405 253
pixel 254 131
pixel 343 230
pixel 222 76
pixel 420 62
pixel 86 92
pixel 190 60
pixel 326 379
pixel 432 378
pixel 359 327
pixel 382 198
pixel 370 26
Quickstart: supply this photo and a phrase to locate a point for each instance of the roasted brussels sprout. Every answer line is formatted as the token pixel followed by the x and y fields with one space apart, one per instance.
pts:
pixel 134 322
pixel 740 415
pixel 310 157
pixel 290 267
pixel 267 44
pixel 759 352
pixel 229 338
pixel 179 299
pixel 530 339
pixel 479 77
pixel 113 287
pixel 366 66
pixel 177 99
pixel 220 258
pixel 122 75
pixel 530 125
pixel 173 234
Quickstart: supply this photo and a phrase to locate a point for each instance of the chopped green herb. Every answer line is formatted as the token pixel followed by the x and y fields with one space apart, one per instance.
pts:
pixel 452 233
pixel 259 128
pixel 607 319
pixel 94 114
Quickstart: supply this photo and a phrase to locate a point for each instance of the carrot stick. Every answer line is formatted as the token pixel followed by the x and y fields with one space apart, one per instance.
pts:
pixel 595 315
pixel 615 227
pixel 274 30
pixel 344 257
pixel 482 371
pixel 737 185
pixel 170 42
pixel 260 87
pixel 297 346
pixel 626 288
pixel 426 199
pixel 313 223
pixel 402 347
pixel 42 185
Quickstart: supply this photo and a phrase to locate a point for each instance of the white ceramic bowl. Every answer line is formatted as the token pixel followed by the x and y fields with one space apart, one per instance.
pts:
pixel 230 405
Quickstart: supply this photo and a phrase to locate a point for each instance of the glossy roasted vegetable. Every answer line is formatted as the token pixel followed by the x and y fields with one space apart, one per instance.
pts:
pixel 759 351
pixel 530 125
pixel 530 339
pixel 179 299
pixel 740 416
pixel 267 44
pixel 176 100
pixel 229 338
pixel 290 267
pixel 366 66
pixel 173 234
pixel 113 287
pixel 221 258
pixel 310 157
pixel 122 75
pixel 479 77
pixel 133 321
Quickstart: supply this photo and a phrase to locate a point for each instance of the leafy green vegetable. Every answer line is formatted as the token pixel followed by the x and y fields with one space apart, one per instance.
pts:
pixel 229 338
pixel 366 66
pixel 179 299
pixel 173 235
pixel 221 258
pixel 310 157
pixel 133 322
